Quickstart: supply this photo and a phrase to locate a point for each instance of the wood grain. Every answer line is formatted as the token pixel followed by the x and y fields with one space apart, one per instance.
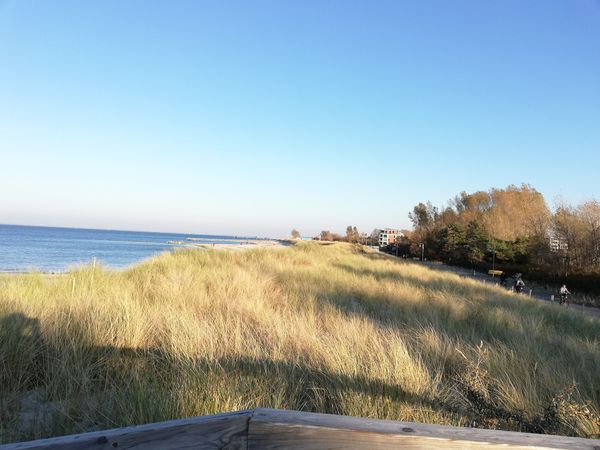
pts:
pixel 224 431
pixel 274 429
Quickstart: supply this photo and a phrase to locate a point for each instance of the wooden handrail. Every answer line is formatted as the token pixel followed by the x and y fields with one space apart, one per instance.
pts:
pixel 277 429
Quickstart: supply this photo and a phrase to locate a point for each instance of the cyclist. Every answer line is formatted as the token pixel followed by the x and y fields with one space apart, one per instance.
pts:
pixel 564 292
pixel 519 285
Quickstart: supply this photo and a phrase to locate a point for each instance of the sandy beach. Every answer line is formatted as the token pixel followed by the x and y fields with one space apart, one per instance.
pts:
pixel 245 245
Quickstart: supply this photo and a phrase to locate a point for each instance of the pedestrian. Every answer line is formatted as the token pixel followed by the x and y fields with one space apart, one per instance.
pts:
pixel 503 279
pixel 564 292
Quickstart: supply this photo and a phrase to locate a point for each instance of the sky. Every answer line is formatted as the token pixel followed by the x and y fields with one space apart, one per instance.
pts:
pixel 252 118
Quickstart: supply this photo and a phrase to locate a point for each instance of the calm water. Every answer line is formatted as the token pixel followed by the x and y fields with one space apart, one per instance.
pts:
pixel 24 248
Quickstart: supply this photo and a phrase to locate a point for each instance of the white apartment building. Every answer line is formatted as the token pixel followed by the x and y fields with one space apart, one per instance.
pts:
pixel 389 236
pixel 557 244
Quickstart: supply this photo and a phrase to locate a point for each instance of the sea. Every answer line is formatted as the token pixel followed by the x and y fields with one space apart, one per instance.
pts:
pixel 55 250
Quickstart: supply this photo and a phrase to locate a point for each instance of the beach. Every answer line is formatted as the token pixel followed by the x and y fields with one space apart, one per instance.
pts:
pixel 246 244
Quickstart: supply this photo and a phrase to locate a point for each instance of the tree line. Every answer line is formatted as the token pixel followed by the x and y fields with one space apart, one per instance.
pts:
pixel 352 235
pixel 510 229
pixel 513 228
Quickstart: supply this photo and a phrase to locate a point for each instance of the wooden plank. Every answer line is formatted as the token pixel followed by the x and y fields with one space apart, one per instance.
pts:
pixel 273 429
pixel 223 431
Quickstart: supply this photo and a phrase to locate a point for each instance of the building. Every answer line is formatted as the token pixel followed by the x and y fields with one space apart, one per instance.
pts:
pixel 557 244
pixel 389 236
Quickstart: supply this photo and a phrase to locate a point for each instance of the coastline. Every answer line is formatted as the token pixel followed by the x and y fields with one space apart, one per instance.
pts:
pixel 235 245
pixel 246 244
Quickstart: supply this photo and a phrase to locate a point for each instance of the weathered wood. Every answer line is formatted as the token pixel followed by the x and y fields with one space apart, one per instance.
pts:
pixel 276 429
pixel 273 429
pixel 223 431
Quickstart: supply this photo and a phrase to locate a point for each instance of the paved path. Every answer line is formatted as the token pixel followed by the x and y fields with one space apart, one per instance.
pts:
pixel 538 292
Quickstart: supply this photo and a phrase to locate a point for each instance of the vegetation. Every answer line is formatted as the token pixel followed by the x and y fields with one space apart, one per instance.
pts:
pixel 318 327
pixel 352 236
pixel 514 228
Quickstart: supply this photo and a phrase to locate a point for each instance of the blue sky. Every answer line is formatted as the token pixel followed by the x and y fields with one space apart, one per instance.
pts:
pixel 256 117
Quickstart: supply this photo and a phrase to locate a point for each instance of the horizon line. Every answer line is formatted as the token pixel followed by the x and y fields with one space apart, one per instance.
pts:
pixel 129 231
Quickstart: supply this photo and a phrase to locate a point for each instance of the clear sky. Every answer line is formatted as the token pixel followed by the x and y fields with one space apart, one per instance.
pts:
pixel 254 117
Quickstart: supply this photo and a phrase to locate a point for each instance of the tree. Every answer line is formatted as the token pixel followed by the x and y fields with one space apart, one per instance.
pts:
pixel 516 212
pixel 349 234
pixel 472 207
pixel 295 234
pixel 447 217
pixel 589 214
pixel 476 241
pixel 326 235
pixel 569 230
pixel 454 247
pixel 423 215
pixel 374 237
pixel 352 234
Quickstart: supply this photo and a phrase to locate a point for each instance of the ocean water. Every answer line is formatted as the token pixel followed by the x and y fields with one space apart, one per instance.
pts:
pixel 48 249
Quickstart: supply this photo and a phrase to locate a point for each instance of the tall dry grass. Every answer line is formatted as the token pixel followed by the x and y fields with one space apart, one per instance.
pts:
pixel 328 328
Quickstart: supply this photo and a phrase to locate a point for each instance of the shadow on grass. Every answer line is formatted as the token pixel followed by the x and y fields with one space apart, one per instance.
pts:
pixel 22 333
pixel 18 332
pixel 478 296
pixel 135 386
pixel 528 329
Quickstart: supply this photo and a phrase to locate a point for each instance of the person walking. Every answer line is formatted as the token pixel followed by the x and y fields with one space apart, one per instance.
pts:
pixel 503 279
pixel 564 292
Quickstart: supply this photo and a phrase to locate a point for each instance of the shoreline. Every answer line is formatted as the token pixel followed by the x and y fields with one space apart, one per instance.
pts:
pixel 237 245
pixel 245 244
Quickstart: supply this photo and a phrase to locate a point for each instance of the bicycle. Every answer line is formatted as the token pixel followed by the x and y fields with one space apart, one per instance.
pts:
pixel 563 299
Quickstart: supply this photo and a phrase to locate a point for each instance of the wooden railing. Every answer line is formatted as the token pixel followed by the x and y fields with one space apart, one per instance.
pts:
pixel 276 429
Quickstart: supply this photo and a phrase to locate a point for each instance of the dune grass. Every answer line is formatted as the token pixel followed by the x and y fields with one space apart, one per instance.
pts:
pixel 327 328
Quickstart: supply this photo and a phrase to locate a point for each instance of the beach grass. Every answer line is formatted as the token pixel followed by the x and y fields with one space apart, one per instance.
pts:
pixel 322 327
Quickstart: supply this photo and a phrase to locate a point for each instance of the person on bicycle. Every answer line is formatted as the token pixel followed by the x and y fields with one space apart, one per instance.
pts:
pixel 519 285
pixel 564 292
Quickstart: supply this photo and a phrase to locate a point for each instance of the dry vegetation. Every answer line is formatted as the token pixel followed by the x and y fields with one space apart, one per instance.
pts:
pixel 326 328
